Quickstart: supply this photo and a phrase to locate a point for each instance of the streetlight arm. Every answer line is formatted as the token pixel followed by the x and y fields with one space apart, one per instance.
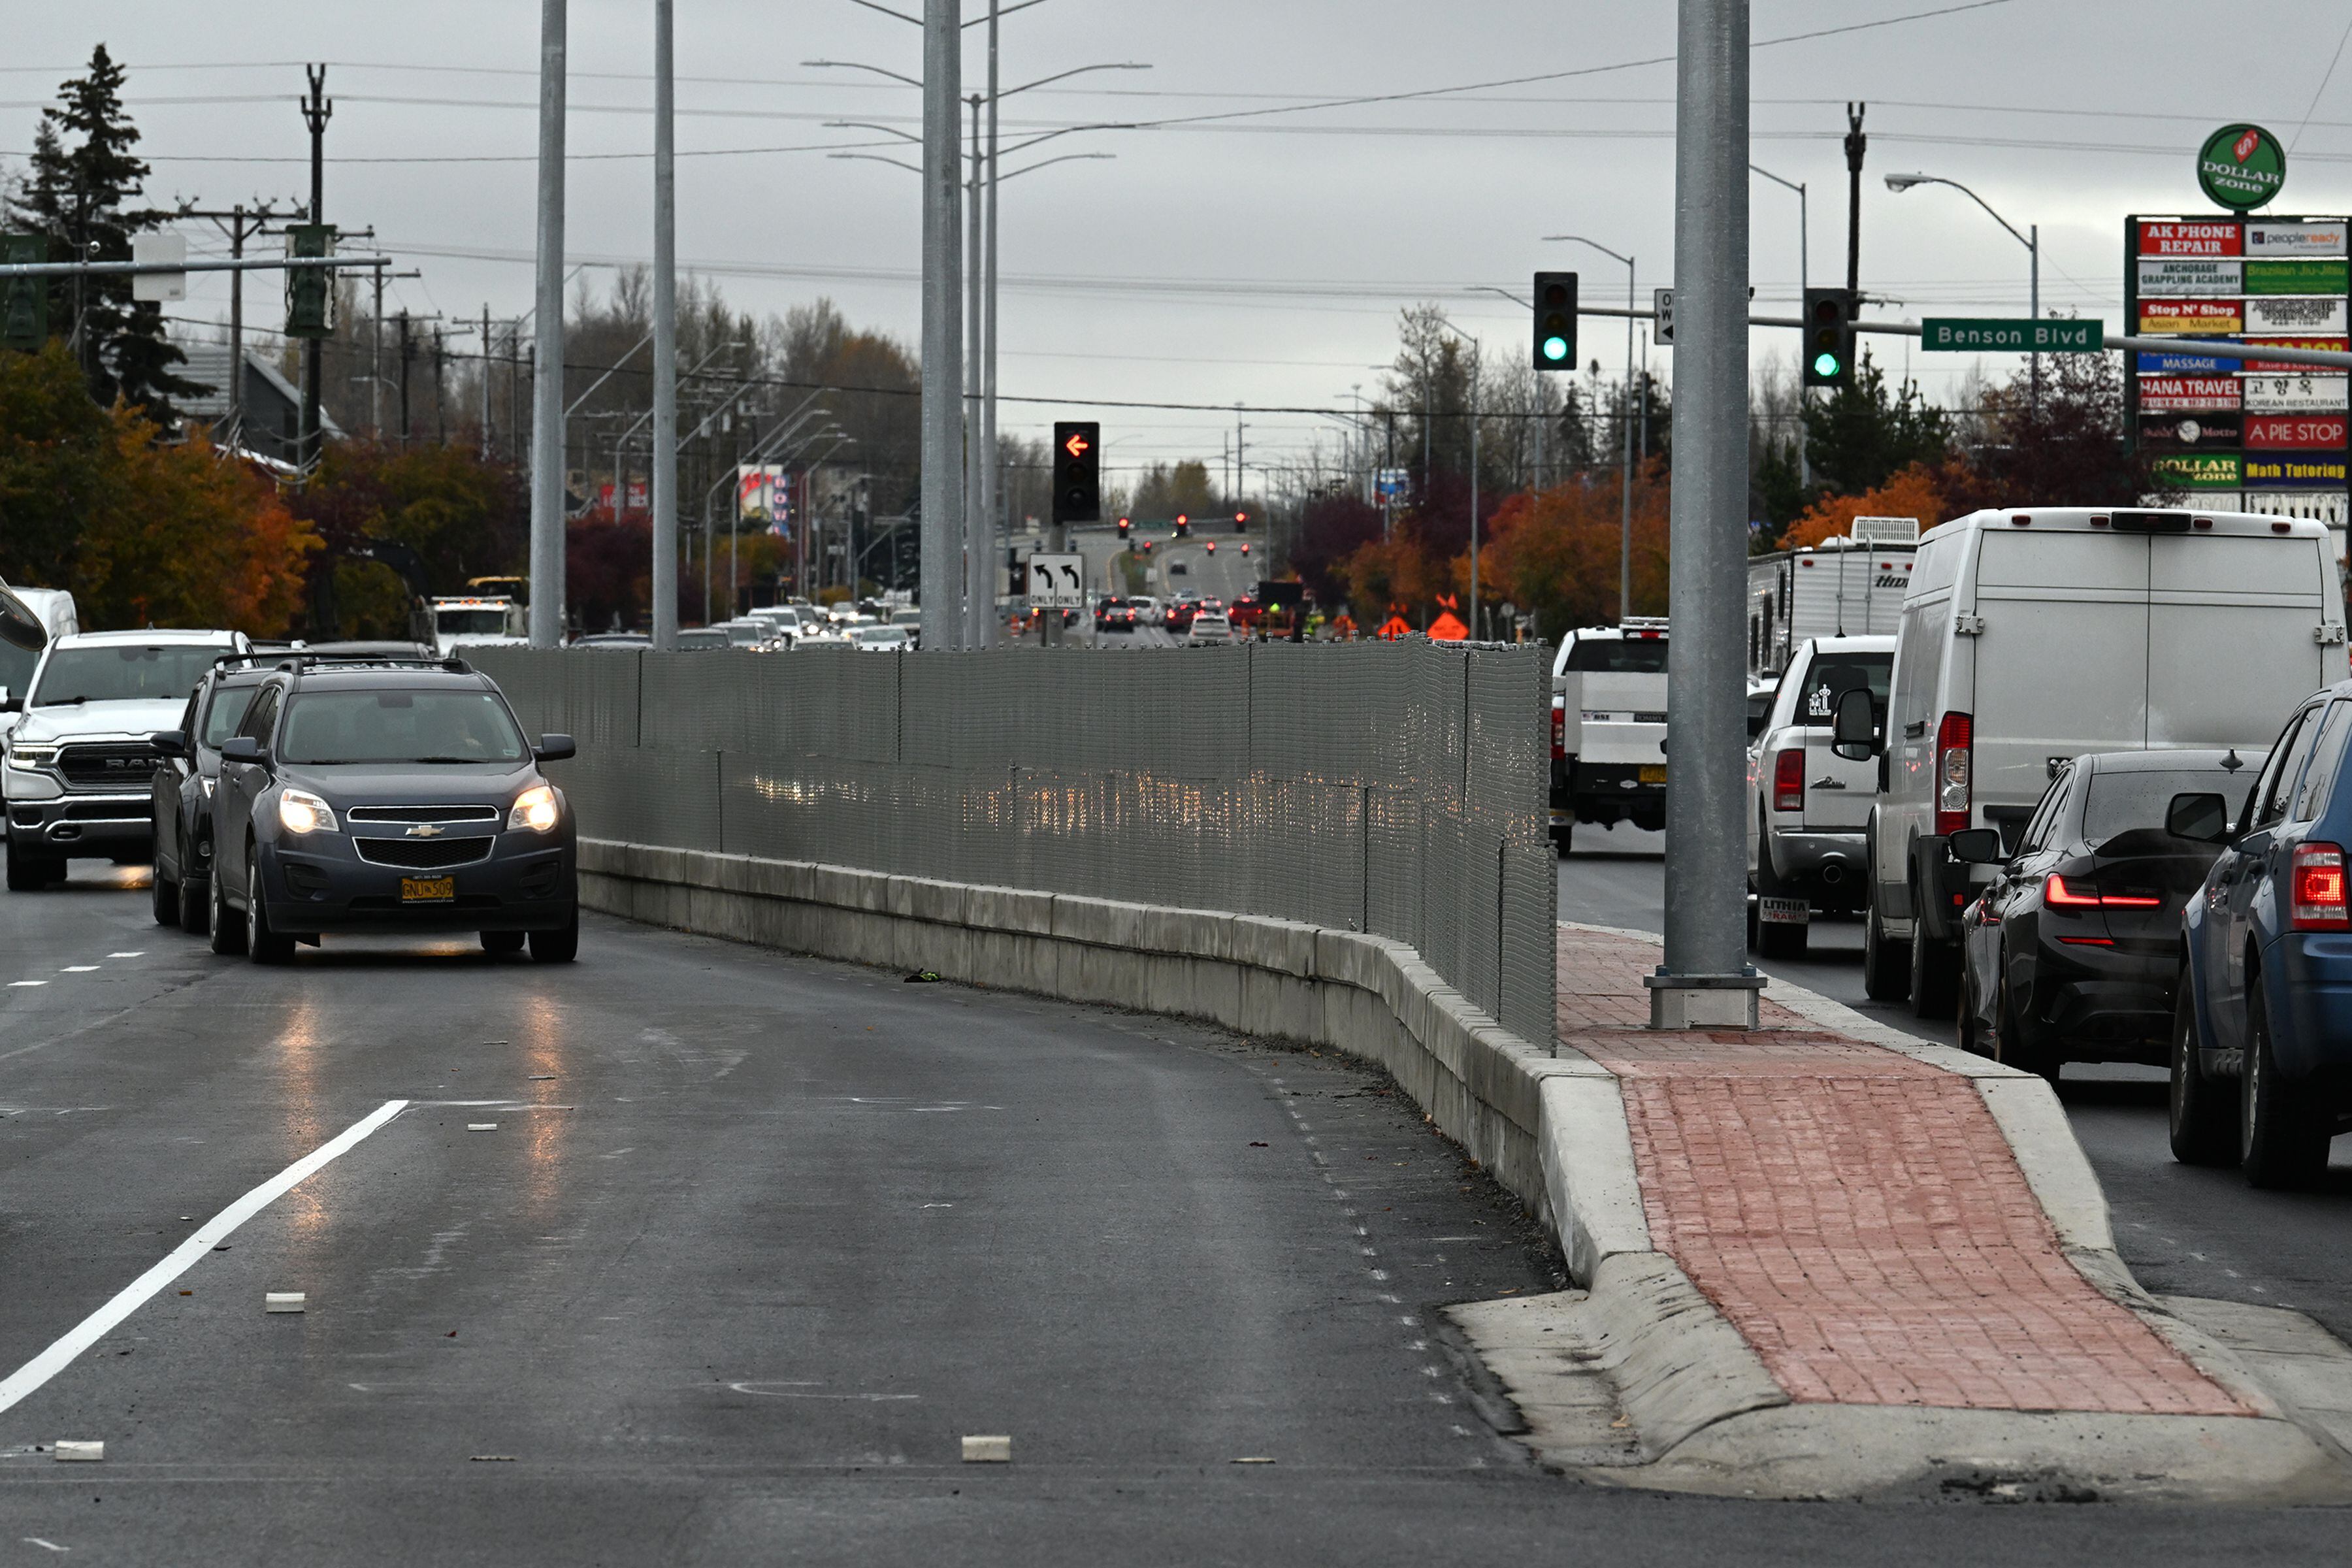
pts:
pixel 869 125
pixel 1787 185
pixel 878 158
pixel 1506 293
pixel 1065 158
pixel 1908 181
pixel 1079 71
pixel 861 66
pixel 1064 131
pixel 1580 239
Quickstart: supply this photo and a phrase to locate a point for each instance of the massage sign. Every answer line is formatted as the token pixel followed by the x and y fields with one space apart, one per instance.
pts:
pixel 2269 435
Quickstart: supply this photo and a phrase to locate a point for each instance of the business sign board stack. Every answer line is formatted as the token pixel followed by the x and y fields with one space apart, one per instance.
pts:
pixel 2261 435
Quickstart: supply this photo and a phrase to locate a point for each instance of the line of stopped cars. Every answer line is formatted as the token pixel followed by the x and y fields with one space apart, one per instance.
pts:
pixel 2087 837
pixel 284 795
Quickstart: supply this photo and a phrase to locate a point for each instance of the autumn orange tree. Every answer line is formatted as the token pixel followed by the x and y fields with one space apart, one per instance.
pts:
pixel 1555 551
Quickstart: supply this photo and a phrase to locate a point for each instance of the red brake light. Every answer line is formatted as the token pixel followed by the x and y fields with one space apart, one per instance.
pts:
pixel 1955 761
pixel 2059 896
pixel 1789 779
pixel 1558 728
pixel 2318 899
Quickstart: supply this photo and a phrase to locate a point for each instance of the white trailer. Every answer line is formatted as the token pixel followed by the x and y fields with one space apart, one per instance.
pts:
pixel 1846 587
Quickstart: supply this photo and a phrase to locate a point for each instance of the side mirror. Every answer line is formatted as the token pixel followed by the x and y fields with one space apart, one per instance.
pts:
pixel 555 748
pixel 1853 729
pixel 169 743
pixel 1976 847
pixel 243 749
pixel 2204 818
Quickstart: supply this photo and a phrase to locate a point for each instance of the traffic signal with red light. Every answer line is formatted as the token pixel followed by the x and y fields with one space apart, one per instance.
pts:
pixel 1240 523
pixel 1183 526
pixel 1245 547
pixel 1077 472
pixel 1123 527
pixel 1213 547
pixel 1555 342
pixel 1828 351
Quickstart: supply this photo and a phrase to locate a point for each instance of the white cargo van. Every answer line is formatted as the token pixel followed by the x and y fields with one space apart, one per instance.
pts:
pixel 1609 728
pixel 2031 635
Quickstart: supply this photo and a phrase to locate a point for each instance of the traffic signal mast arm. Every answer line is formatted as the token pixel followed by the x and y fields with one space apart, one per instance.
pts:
pixel 246 264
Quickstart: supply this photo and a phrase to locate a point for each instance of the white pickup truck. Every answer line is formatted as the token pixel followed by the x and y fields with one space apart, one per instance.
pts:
pixel 1809 808
pixel 1609 728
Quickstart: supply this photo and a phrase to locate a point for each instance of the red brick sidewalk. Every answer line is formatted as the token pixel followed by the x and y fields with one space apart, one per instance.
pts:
pixel 1857 1214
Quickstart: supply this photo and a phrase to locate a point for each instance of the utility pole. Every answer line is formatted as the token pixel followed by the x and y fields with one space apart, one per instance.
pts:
pixel 979 564
pixel 486 382
pixel 317 109
pixel 240 223
pixel 1706 980
pixel 991 536
pixel 547 444
pixel 1855 143
pixel 665 436
pixel 407 354
pixel 942 348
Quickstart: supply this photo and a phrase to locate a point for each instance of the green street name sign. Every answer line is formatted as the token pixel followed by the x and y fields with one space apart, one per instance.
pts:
pixel 2020 335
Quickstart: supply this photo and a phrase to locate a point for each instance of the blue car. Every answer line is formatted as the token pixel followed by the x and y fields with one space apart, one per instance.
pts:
pixel 2261 1046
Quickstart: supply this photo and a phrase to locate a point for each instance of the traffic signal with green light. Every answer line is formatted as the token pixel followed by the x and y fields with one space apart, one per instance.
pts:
pixel 1555 344
pixel 24 302
pixel 309 291
pixel 1829 337
pixel 1077 472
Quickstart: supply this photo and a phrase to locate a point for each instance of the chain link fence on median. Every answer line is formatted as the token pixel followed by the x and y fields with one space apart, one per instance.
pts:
pixel 1398 789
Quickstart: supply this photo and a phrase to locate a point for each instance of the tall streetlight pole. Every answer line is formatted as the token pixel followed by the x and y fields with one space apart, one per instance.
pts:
pixel 547 452
pixel 1804 279
pixel 665 439
pixel 1625 467
pixel 942 408
pixel 979 559
pixel 1706 979
pixel 1474 358
pixel 2031 240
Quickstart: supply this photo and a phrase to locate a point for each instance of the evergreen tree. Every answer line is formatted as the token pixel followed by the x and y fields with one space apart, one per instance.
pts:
pixel 1862 433
pixel 79 196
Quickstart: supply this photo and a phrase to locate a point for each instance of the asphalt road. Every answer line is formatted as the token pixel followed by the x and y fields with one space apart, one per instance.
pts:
pixel 2184 1231
pixel 750 1244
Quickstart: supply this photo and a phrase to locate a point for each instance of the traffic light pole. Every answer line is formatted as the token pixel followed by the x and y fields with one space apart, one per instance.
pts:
pixel 665 437
pixel 547 444
pixel 1706 980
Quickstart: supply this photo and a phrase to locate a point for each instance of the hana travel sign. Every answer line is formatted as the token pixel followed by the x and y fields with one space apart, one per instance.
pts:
pixel 2241 167
pixel 2022 335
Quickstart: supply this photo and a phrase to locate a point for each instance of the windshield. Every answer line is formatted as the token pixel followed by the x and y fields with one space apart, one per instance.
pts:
pixel 226 713
pixel 327 727
pixel 115 673
pixel 1835 675
pixel 470 623
pixel 2121 801
pixel 1617 656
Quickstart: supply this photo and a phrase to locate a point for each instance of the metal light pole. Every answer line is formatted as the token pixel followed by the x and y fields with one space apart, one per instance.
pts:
pixel 547 453
pixel 942 486
pixel 1706 979
pixel 1804 279
pixel 2031 240
pixel 665 439
pixel 978 565
pixel 990 545
pixel 1625 463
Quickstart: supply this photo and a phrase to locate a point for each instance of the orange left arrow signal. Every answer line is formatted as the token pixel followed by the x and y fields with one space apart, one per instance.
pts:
pixel 1076 445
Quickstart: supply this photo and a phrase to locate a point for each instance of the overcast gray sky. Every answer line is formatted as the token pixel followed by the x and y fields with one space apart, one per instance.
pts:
pixel 1259 260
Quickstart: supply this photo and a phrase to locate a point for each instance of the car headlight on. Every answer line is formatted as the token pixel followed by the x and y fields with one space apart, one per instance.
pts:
pixel 300 811
pixel 534 809
pixel 30 755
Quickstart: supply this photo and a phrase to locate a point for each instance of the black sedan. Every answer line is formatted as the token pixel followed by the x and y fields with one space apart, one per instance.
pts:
pixel 390 799
pixel 2072 952
pixel 186 772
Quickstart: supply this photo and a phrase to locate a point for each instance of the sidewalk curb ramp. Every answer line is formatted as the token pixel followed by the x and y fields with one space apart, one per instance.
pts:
pixel 1641 1336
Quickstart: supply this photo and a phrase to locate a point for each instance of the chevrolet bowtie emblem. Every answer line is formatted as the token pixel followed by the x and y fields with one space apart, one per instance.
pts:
pixel 425 830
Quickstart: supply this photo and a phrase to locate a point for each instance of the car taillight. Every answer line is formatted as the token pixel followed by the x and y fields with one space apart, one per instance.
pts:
pixel 1558 729
pixel 2059 896
pixel 1789 779
pixel 2317 902
pixel 1955 738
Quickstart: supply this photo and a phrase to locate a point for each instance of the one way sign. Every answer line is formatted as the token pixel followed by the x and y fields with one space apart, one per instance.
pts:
pixel 1058 581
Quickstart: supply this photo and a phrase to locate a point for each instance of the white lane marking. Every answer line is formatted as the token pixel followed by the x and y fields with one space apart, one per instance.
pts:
pixel 13 983
pixel 78 969
pixel 140 953
pixel 49 1545
pixel 30 1376
pixel 801 1391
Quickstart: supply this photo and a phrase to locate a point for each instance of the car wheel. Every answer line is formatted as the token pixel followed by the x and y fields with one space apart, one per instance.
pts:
pixel 1967 1033
pixel 1933 975
pixel 1885 968
pixel 163 900
pixel 2010 1046
pixel 196 911
pixel 2282 1143
pixel 262 944
pixel 496 942
pixel 559 946
pixel 1563 839
pixel 228 929
pixel 2203 1126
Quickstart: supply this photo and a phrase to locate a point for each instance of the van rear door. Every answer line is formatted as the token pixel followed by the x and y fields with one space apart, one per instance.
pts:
pixel 2230 648
pixel 2062 663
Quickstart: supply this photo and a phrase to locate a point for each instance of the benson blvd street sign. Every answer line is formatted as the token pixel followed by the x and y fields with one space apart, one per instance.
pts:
pixel 2018 335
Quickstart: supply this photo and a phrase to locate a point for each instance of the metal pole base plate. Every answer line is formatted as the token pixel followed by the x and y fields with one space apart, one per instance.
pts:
pixel 1704 1001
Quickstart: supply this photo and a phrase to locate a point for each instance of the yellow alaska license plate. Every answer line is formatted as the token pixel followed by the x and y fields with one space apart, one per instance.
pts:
pixel 429 889
pixel 1653 772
